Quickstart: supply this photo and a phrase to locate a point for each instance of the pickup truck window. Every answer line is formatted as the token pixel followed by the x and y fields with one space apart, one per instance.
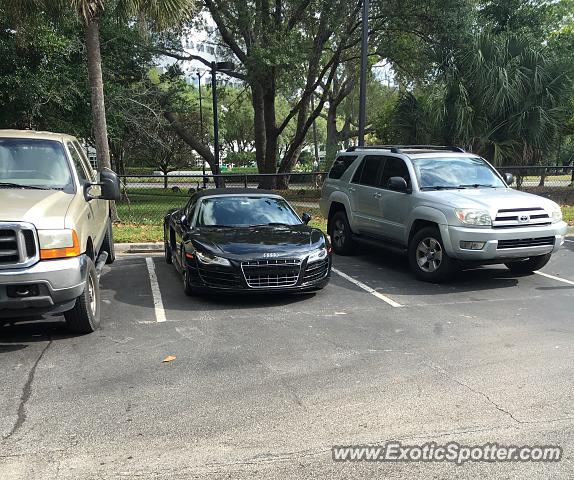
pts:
pixel 34 163
pixel 78 163
pixel 464 172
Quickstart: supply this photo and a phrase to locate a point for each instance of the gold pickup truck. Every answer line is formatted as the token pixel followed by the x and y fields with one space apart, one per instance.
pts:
pixel 55 228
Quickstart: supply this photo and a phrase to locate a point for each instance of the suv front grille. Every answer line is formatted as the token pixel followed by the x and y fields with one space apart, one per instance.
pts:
pixel 18 247
pixel 521 217
pixel 271 273
pixel 526 242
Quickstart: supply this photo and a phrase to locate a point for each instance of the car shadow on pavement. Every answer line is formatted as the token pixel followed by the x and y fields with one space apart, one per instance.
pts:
pixel 14 331
pixel 391 272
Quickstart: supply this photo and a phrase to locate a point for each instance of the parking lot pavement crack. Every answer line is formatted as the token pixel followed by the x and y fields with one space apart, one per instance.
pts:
pixel 474 390
pixel 26 393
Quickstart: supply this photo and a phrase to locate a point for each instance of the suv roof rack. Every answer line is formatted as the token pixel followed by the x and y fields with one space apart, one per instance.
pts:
pixel 398 148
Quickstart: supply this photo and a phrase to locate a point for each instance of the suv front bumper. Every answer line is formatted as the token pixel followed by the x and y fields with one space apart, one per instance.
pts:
pixel 53 284
pixel 453 235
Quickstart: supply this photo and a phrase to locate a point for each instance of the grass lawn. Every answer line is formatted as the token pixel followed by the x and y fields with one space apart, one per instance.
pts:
pixel 568 213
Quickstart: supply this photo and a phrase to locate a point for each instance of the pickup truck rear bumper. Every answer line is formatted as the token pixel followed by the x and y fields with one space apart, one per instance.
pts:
pixel 49 286
pixel 503 244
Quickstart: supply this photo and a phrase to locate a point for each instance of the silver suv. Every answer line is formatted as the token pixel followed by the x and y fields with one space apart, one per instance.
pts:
pixel 441 206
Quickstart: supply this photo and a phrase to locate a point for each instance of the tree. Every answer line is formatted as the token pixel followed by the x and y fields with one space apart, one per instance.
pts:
pixel 159 13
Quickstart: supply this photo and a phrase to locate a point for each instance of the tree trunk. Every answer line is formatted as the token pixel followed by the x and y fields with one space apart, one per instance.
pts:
pixel 97 93
pixel 259 125
pixel 271 136
pixel 332 137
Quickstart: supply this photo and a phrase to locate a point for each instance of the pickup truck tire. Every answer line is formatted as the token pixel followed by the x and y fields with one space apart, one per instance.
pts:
pixel 85 316
pixel 428 258
pixel 108 244
pixel 341 234
pixel 529 265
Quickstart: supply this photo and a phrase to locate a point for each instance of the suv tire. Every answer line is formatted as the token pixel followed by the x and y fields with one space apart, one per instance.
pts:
pixel 108 244
pixel 428 258
pixel 530 265
pixel 341 234
pixel 85 316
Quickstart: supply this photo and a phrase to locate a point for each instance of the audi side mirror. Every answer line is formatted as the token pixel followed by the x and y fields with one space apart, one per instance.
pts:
pixel 306 218
pixel 509 178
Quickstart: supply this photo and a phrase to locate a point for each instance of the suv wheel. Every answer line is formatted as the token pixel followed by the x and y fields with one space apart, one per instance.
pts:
pixel 341 234
pixel 108 244
pixel 85 316
pixel 428 258
pixel 530 265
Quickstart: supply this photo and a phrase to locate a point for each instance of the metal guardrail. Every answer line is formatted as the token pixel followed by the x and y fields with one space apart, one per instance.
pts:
pixel 147 198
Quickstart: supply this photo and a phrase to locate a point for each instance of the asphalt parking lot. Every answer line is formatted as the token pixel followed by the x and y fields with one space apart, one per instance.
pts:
pixel 262 387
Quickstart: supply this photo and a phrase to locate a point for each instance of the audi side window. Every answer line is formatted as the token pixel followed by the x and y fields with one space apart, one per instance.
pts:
pixel 370 170
pixel 340 166
pixel 395 167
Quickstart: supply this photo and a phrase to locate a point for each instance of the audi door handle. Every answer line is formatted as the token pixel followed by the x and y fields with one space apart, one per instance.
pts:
pixel 351 189
pixel 377 195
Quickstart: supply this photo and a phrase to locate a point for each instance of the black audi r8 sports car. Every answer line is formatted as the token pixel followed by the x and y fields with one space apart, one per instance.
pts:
pixel 245 240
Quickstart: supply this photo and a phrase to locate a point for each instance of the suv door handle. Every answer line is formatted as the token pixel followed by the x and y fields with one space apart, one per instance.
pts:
pixel 377 195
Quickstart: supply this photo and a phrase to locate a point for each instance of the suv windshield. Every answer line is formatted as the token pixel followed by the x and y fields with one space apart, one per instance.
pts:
pixel 457 172
pixel 33 163
pixel 241 211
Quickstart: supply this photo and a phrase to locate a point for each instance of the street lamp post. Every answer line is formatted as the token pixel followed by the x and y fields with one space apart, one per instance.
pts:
pixel 363 80
pixel 217 67
pixel 199 75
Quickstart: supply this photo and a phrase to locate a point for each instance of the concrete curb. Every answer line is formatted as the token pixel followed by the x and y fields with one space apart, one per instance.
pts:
pixel 139 247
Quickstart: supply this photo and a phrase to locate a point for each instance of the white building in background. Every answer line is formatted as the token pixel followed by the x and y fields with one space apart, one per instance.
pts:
pixel 203 41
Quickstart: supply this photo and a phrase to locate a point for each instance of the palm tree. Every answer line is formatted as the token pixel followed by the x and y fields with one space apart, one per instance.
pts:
pixel 161 13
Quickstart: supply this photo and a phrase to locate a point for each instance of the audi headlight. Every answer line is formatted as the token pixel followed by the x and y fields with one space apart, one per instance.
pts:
pixel 209 259
pixel 472 216
pixel 556 213
pixel 317 255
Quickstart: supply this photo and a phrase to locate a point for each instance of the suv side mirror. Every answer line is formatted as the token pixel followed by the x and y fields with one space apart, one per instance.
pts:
pixel 306 218
pixel 509 178
pixel 398 184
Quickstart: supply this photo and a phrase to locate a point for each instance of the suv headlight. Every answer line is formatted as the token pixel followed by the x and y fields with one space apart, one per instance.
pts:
pixel 556 213
pixel 317 255
pixel 58 244
pixel 209 259
pixel 472 216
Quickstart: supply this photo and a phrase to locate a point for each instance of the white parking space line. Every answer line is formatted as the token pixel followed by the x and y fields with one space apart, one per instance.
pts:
pixel 366 288
pixel 157 301
pixel 563 280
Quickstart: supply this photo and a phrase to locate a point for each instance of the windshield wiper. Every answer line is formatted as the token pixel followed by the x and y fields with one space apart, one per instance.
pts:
pixel 443 187
pixel 273 224
pixel 18 185
pixel 477 185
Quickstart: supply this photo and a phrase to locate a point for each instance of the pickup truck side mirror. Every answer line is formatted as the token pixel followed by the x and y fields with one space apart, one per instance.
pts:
pixel 398 184
pixel 509 178
pixel 109 187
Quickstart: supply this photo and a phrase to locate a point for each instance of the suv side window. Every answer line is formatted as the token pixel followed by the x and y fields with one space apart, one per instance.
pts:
pixel 78 162
pixel 340 166
pixel 368 171
pixel 395 167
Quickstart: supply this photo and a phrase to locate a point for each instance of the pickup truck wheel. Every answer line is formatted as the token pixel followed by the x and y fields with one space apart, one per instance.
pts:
pixel 85 316
pixel 428 258
pixel 341 234
pixel 530 265
pixel 108 244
